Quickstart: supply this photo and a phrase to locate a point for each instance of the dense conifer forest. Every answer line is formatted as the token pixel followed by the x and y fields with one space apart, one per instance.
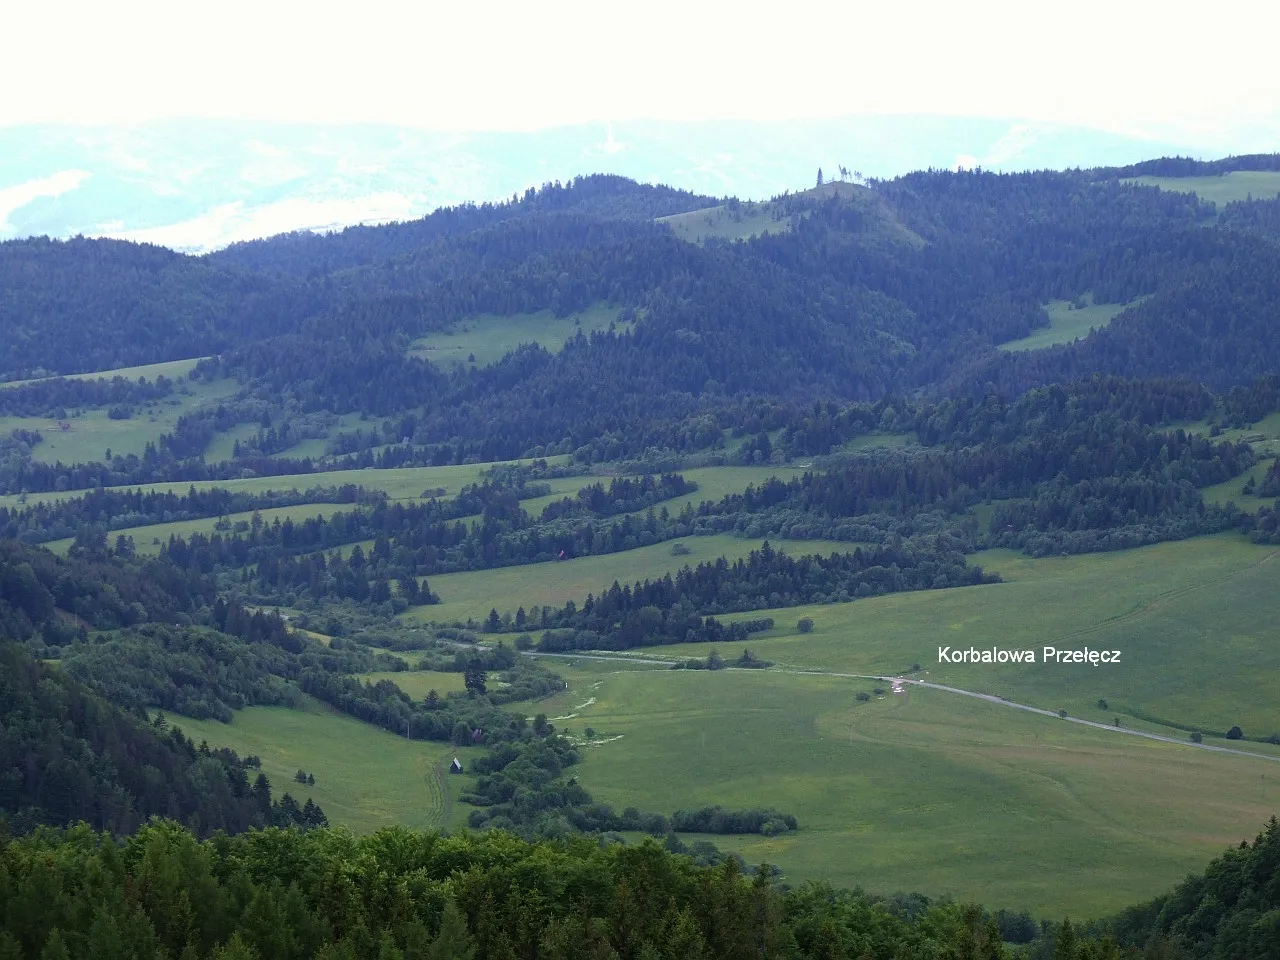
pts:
pixel 905 285
pixel 319 893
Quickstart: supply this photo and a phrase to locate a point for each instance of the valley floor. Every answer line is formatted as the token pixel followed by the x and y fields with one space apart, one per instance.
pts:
pixel 922 791
pixel 925 790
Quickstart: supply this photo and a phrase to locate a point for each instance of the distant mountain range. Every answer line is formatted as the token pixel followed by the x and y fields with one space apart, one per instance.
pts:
pixel 197 185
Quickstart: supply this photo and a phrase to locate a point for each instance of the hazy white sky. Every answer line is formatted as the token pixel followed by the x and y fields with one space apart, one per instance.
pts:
pixel 1133 66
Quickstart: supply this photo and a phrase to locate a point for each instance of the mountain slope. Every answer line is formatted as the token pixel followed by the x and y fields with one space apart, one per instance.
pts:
pixel 902 286
pixel 67 755
pixel 83 305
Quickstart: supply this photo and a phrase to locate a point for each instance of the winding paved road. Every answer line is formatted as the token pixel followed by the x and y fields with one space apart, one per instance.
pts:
pixel 990 698
pixel 597 656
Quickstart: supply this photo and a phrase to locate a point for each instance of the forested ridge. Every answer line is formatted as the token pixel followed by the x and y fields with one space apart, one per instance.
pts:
pixel 399 894
pixel 1189 167
pixel 829 309
pixel 825 308
pixel 603 195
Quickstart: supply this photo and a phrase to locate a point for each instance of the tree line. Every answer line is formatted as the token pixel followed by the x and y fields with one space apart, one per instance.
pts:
pixel 672 609
pixel 111 509
pixel 404 895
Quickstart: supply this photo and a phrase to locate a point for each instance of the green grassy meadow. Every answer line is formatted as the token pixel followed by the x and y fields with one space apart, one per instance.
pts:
pixel 399 483
pixel 92 432
pixel 1264 437
pixel 713 483
pixel 728 222
pixel 314 447
pixel 1236 185
pixel 222 446
pixel 1195 621
pixel 471 595
pixel 882 441
pixel 148 539
pixel 417 683
pixel 1067 324
pixel 173 369
pixel 145 538
pixel 489 337
pixel 561 487
pixel 1232 491
pixel 366 777
pixel 926 791
pixel 408 483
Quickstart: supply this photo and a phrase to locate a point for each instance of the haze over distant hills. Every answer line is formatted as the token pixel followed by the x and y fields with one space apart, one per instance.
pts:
pixel 796 449
pixel 197 185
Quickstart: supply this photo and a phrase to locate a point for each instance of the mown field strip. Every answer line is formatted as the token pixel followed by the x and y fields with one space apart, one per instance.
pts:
pixel 173 369
pixel 471 595
pixel 1221 189
pixel 399 483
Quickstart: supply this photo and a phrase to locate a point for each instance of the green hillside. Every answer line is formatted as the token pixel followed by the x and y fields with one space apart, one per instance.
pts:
pixel 471 595
pixel 486 339
pixel 1191 618
pixel 738 220
pixel 1224 188
pixel 87 434
pixel 366 779
pixel 1067 322
pixel 173 369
